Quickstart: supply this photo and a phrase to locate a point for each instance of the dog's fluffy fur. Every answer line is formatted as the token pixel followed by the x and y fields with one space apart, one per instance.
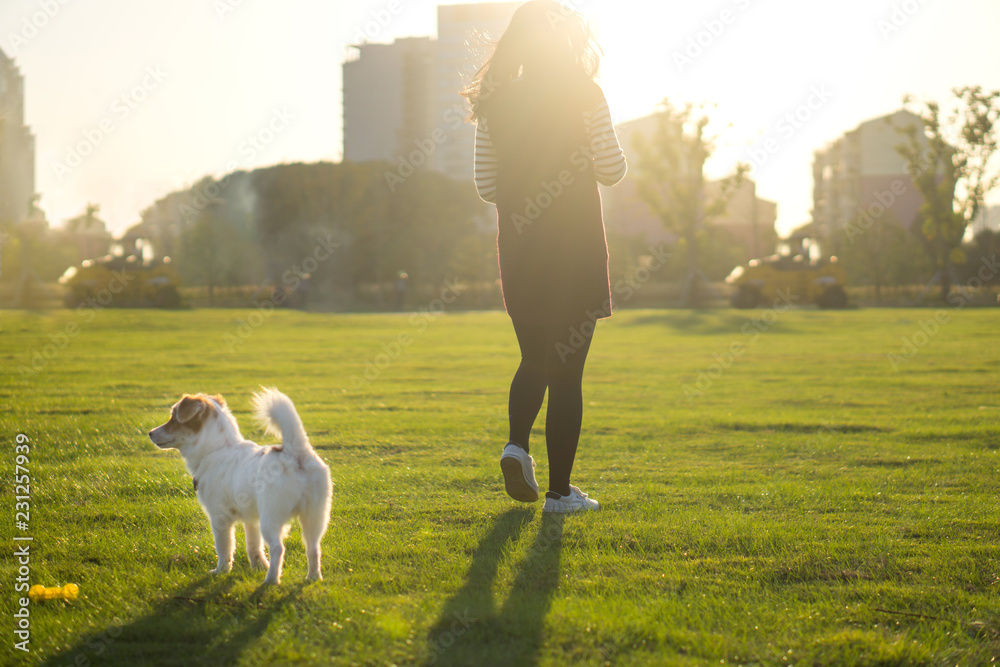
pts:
pixel 237 480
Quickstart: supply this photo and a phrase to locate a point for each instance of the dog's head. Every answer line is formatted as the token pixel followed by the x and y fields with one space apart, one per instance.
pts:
pixel 188 419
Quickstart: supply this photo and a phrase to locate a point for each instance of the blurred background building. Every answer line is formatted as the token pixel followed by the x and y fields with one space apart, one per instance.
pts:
pixel 748 219
pixel 466 34
pixel 400 96
pixel 387 98
pixel 988 220
pixel 859 169
pixel 17 148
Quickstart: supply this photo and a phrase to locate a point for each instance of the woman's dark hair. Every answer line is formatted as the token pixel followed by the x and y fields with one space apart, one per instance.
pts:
pixel 543 35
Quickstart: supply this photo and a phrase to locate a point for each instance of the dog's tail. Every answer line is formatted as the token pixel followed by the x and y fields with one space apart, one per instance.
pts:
pixel 277 414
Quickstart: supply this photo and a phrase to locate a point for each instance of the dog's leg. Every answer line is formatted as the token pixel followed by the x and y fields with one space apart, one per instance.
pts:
pixel 313 527
pixel 224 532
pixel 255 552
pixel 272 532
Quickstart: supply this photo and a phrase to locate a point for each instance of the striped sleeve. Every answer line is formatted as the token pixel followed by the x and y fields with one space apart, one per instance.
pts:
pixel 486 163
pixel 609 160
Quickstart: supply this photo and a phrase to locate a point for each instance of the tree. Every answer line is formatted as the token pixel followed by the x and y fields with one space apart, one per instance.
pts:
pixel 215 251
pixel 985 245
pixel 474 260
pixel 885 254
pixel 671 182
pixel 86 222
pixel 275 224
pixel 951 164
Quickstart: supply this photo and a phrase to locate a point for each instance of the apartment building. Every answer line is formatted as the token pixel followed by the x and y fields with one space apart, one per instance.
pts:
pixel 862 174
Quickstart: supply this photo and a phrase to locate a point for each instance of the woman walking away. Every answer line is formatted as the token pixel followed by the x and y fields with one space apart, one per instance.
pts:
pixel 544 140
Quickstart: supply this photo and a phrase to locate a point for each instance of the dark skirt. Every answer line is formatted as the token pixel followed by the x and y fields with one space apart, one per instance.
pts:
pixel 553 254
pixel 550 229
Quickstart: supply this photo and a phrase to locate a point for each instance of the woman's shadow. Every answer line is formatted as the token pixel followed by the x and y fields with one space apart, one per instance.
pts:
pixel 471 628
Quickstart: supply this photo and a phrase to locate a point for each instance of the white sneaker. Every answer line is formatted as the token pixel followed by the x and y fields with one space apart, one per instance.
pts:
pixel 519 473
pixel 576 501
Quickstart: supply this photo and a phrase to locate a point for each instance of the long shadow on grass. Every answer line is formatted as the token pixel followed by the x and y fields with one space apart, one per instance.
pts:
pixel 472 629
pixel 194 625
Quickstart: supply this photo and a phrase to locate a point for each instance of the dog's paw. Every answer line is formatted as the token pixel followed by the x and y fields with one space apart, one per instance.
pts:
pixel 259 565
pixel 268 581
pixel 220 569
pixel 314 577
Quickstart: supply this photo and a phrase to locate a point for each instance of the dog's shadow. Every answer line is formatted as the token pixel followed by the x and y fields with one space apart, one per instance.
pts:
pixel 473 629
pixel 181 631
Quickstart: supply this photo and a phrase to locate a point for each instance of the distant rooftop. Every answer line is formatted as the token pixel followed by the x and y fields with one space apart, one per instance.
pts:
pixel 484 11
pixel 899 114
pixel 898 118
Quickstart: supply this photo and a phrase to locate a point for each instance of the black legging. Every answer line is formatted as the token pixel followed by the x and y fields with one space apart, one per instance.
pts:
pixel 551 357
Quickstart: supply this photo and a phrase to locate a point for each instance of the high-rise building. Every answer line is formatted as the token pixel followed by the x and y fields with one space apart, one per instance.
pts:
pixel 17 147
pixel 387 98
pixel 466 34
pixel 862 174
pixel 402 101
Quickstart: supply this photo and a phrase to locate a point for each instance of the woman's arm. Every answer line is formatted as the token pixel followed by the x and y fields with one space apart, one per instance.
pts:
pixel 609 160
pixel 486 164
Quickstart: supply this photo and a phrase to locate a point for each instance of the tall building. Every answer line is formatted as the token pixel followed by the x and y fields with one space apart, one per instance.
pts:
pixel 862 173
pixel 387 98
pixel 17 147
pixel 401 100
pixel 466 34
pixel 748 219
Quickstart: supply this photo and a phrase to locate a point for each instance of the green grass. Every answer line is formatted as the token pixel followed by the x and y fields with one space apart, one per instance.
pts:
pixel 811 506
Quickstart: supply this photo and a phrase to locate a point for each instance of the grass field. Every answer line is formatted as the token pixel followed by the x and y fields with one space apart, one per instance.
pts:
pixel 787 493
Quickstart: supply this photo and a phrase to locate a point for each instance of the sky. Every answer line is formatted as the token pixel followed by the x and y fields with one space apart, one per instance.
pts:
pixel 132 100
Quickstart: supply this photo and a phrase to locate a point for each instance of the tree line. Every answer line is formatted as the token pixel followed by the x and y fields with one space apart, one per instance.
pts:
pixel 332 226
pixel 340 232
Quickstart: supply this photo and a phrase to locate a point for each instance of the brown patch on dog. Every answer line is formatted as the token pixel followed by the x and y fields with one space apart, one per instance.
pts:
pixel 191 412
pixel 218 399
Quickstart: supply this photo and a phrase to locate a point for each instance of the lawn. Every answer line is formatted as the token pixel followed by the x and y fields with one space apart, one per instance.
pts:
pixel 777 488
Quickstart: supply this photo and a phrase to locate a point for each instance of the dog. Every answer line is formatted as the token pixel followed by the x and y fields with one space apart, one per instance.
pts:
pixel 238 480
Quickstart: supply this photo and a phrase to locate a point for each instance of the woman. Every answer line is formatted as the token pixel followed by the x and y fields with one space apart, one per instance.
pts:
pixel 544 140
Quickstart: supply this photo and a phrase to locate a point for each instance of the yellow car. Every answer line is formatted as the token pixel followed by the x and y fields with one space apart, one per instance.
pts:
pixel 123 282
pixel 794 278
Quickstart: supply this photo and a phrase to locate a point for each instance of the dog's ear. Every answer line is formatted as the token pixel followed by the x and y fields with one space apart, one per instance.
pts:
pixel 189 408
pixel 218 399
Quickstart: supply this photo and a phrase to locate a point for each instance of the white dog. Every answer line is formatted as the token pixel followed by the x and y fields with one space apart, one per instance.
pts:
pixel 237 480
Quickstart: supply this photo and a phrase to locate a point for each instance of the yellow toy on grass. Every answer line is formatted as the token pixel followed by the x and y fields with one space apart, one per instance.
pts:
pixel 67 592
